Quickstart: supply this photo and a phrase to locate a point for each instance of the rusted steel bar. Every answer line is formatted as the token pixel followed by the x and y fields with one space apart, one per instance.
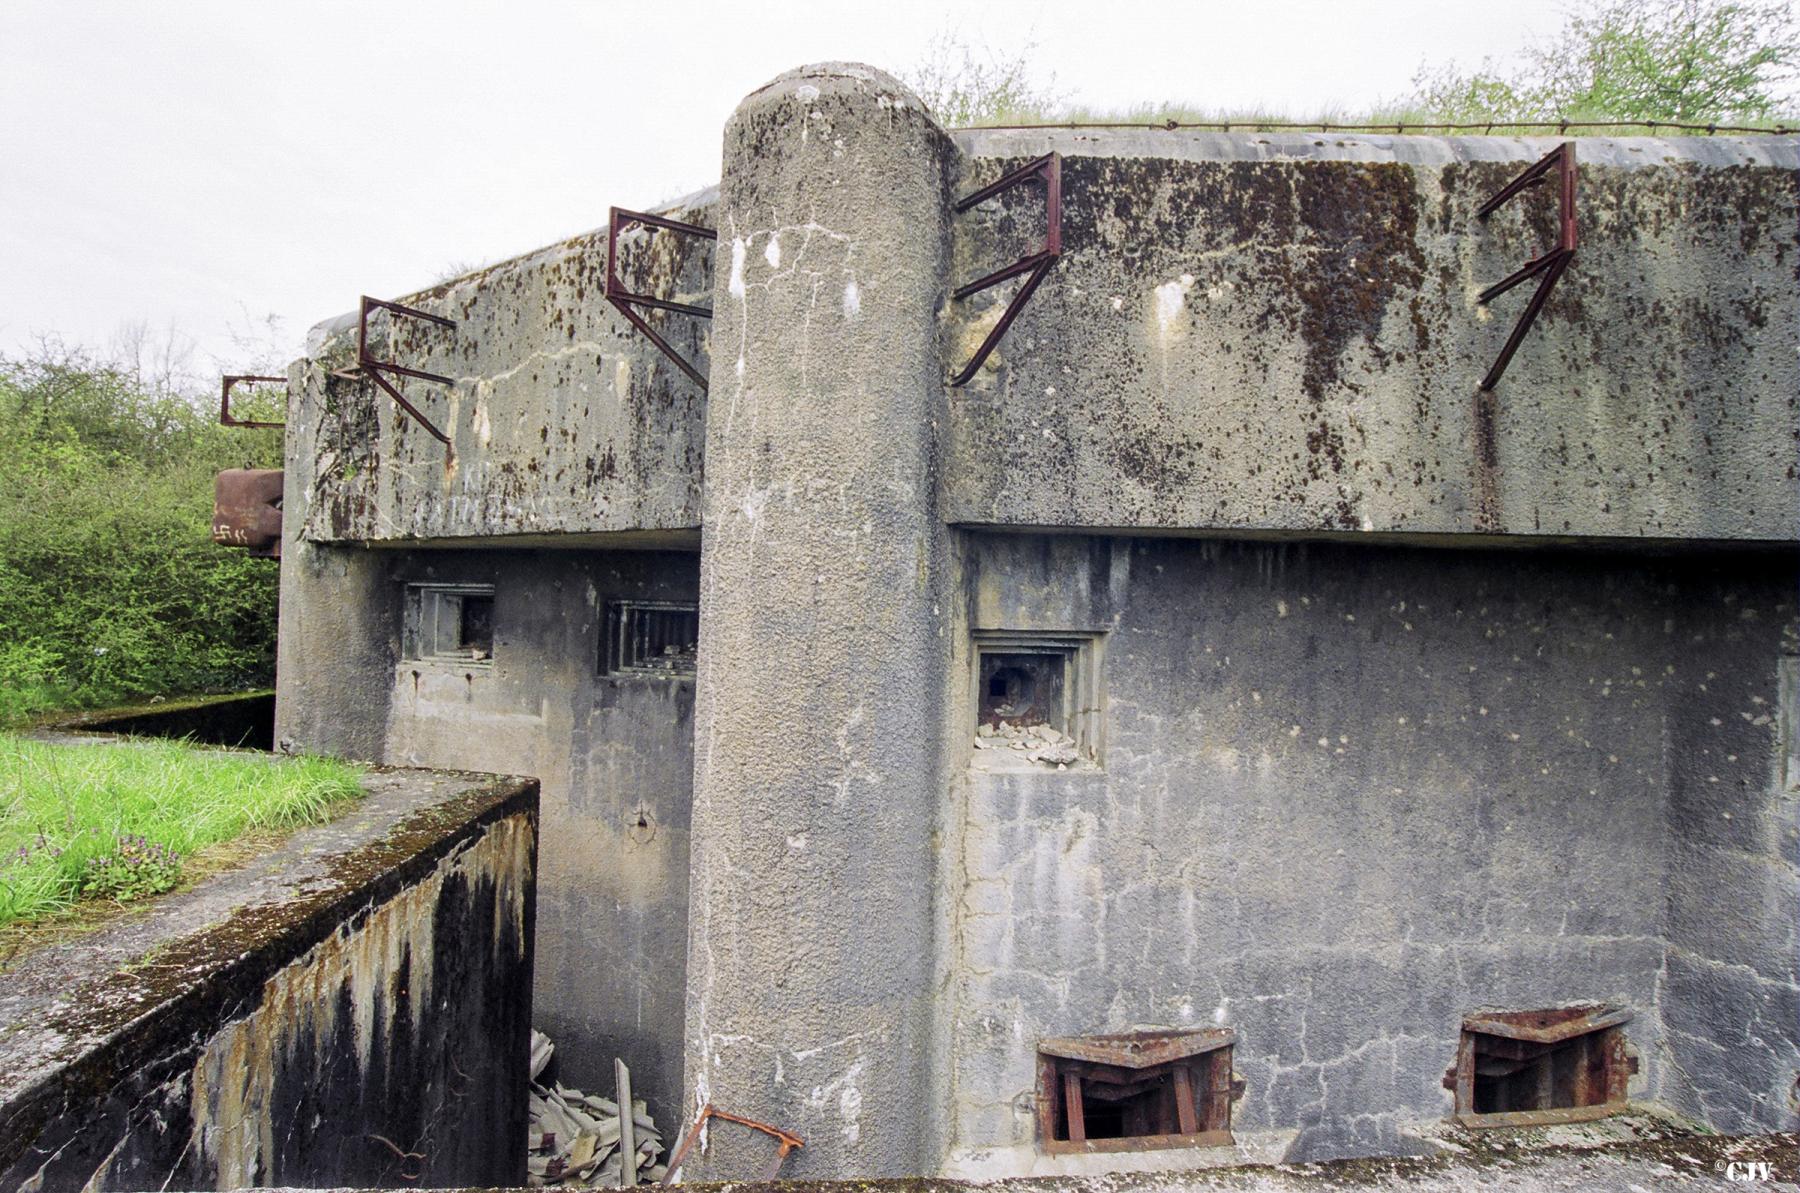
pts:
pixel 787 1141
pixel 1187 1119
pixel 1047 169
pixel 1538 299
pixel 226 418
pixel 367 365
pixel 1073 1110
pixel 624 300
pixel 1550 266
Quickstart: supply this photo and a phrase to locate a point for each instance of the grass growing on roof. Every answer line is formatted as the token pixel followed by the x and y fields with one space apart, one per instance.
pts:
pixel 117 822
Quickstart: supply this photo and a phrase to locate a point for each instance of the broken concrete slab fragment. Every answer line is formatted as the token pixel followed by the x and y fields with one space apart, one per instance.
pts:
pixel 575 1137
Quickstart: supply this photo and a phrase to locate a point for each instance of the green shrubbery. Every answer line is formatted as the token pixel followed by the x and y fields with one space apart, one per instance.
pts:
pixel 110 584
pixel 1685 61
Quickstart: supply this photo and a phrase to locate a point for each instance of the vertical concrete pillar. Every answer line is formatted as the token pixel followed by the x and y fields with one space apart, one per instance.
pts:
pixel 822 644
pixel 339 628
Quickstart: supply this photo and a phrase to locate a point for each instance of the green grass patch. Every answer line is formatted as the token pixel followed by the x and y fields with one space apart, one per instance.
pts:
pixel 120 822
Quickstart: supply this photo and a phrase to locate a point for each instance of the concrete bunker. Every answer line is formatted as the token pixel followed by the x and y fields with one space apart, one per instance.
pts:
pixel 1280 607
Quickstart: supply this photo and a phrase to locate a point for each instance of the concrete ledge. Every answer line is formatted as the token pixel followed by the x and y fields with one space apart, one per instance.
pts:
pixel 1699 1162
pixel 288 976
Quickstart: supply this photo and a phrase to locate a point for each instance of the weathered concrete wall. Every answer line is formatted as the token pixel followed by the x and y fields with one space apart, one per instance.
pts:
pixel 1253 336
pixel 338 631
pixel 1349 794
pixel 1280 332
pixel 351 1009
pixel 824 584
pixel 564 418
pixel 615 756
pixel 1732 987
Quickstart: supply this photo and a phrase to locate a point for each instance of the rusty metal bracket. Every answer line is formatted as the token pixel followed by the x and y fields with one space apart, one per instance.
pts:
pixel 1048 169
pixel 624 299
pixel 789 1142
pixel 1550 265
pixel 368 366
pixel 226 418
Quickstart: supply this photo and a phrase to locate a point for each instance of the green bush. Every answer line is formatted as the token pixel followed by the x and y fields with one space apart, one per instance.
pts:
pixel 110 584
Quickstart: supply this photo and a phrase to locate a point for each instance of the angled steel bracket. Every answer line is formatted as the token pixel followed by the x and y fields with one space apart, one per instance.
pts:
pixel 786 1141
pixel 624 300
pixel 1048 169
pixel 367 365
pixel 1550 265
pixel 226 418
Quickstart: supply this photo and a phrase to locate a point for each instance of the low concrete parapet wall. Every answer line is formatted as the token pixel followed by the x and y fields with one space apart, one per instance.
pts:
pixel 353 1008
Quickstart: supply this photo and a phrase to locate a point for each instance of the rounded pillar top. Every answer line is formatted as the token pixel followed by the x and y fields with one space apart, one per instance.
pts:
pixel 819 80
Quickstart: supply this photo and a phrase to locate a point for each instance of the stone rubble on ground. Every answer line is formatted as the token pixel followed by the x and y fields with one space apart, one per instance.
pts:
pixel 1038 743
pixel 575 1136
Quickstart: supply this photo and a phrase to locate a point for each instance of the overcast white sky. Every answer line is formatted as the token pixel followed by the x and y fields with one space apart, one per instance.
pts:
pixel 204 165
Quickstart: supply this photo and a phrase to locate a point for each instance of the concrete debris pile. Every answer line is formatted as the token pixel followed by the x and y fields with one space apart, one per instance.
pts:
pixel 1037 743
pixel 575 1136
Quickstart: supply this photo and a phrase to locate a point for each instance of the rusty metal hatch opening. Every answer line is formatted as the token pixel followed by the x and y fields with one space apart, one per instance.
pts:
pixel 1136 1091
pixel 1533 1068
pixel 650 638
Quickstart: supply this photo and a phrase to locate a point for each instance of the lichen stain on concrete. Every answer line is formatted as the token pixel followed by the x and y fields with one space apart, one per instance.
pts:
pixel 372 978
pixel 1350 289
pixel 537 340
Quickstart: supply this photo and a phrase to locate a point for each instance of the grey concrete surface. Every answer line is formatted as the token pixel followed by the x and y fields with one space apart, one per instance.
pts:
pixel 563 418
pixel 824 581
pixel 1281 332
pixel 1350 794
pixel 614 755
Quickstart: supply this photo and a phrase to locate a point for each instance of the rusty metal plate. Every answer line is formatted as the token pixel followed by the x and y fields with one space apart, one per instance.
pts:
pixel 247 510
pixel 1547 1027
pixel 1139 1049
